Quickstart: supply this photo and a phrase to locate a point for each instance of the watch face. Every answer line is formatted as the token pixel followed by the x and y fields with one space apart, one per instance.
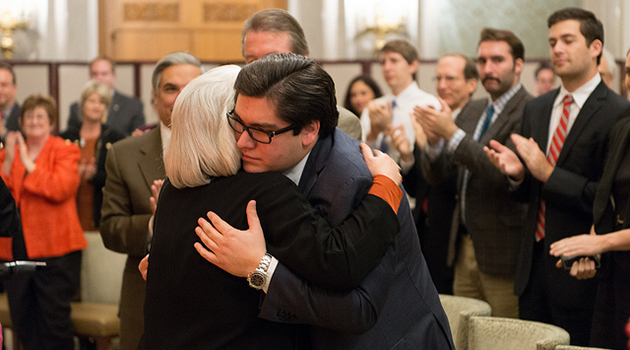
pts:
pixel 257 280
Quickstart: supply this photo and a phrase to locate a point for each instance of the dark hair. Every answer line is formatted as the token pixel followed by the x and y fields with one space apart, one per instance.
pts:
pixel 277 21
pixel 112 63
pixel 542 66
pixel 371 83
pixel 36 100
pixel 404 48
pixel 470 69
pixel 7 66
pixel 590 27
pixel 516 45
pixel 299 88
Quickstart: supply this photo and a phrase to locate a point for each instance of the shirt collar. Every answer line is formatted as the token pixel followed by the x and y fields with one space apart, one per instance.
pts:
pixel 165 135
pixel 409 90
pixel 581 94
pixel 500 102
pixel 295 173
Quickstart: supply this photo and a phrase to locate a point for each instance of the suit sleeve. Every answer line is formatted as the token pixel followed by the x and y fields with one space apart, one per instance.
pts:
pixel 333 258
pixel 121 230
pixel 137 118
pixel 471 155
pixel 10 224
pixel 74 118
pixel 290 299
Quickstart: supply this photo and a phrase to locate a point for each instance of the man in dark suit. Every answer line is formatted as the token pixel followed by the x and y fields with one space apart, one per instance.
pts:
pixel 456 80
pixel 486 223
pixel 132 166
pixel 396 303
pixel 125 113
pixel 563 145
pixel 9 108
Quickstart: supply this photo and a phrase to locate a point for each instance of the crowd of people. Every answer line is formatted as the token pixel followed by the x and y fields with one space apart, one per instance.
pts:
pixel 252 214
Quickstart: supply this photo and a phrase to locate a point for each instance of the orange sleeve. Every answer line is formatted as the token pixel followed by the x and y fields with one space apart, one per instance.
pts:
pixel 386 189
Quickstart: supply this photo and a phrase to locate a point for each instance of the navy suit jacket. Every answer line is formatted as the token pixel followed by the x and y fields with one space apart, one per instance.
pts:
pixel 570 190
pixel 395 306
pixel 12 123
pixel 126 114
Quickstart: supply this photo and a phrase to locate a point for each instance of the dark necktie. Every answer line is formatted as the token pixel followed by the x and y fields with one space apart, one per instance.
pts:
pixel 486 122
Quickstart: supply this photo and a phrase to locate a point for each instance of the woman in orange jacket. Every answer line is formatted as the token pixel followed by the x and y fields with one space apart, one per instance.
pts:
pixel 41 171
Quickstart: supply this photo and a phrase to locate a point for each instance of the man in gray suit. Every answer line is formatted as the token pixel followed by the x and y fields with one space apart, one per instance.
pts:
pixel 132 166
pixel 126 113
pixel 276 31
pixel 9 108
pixel 486 224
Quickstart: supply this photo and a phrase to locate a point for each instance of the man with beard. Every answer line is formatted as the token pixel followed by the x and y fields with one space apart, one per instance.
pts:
pixel 486 223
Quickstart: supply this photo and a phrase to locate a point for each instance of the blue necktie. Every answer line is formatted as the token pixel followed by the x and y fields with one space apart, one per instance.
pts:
pixel 384 147
pixel 486 122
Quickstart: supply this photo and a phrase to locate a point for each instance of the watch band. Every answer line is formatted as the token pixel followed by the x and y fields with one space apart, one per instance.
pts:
pixel 258 277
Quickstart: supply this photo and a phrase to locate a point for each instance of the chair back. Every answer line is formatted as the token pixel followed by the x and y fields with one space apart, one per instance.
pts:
pixel 459 310
pixel 509 333
pixel 575 347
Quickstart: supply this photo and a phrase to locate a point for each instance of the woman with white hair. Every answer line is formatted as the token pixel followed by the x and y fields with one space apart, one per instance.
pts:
pixel 192 304
pixel 94 138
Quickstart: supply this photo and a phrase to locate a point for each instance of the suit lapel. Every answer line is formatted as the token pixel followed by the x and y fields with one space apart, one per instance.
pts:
pixel 504 117
pixel 315 164
pixel 591 106
pixel 151 163
pixel 469 116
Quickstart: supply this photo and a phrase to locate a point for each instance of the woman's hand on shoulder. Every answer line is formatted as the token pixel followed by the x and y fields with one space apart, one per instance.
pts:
pixel 380 163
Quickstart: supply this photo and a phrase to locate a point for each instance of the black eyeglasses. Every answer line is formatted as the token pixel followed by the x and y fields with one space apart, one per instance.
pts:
pixel 256 134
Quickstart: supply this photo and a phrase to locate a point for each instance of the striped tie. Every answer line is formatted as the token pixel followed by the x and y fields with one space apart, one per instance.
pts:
pixel 552 157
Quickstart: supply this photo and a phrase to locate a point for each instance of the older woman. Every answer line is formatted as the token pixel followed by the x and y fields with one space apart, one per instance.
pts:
pixel 191 304
pixel 94 138
pixel 41 171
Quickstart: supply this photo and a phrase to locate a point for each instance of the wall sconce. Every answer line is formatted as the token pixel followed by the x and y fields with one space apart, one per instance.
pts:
pixel 9 24
pixel 382 28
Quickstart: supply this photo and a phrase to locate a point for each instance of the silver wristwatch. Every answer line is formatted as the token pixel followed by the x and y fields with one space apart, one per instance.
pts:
pixel 258 277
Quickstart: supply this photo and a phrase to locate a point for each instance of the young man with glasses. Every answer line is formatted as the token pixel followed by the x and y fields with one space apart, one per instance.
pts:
pixel 284 120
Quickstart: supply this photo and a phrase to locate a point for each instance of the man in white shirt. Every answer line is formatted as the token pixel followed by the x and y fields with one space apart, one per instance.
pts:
pixel 563 145
pixel 391 114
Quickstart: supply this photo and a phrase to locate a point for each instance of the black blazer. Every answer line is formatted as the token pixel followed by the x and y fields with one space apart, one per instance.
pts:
pixel 570 190
pixel 107 137
pixel 192 304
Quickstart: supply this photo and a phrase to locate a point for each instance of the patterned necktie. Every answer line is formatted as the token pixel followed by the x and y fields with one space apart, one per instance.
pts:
pixel 552 157
pixel 487 121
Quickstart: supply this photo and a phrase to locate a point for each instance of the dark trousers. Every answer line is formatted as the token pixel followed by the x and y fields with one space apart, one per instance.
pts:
pixel 536 303
pixel 612 305
pixel 40 303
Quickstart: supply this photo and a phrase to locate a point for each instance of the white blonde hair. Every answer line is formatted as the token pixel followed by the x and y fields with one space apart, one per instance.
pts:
pixel 202 143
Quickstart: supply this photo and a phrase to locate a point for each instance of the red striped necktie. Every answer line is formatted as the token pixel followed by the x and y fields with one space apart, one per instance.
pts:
pixel 552 157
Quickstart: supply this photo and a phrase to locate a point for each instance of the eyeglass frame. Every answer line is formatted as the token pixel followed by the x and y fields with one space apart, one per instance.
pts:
pixel 230 117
